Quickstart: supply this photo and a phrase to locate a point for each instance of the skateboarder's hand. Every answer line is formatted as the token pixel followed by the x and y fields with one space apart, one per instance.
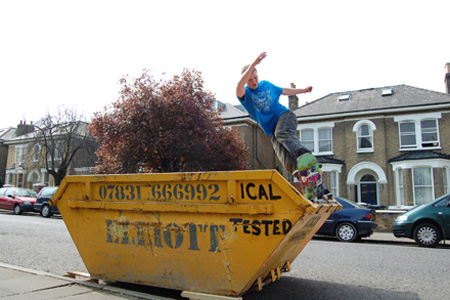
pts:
pixel 260 58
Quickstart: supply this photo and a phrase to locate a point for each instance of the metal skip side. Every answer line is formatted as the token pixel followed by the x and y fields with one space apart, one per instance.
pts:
pixel 218 233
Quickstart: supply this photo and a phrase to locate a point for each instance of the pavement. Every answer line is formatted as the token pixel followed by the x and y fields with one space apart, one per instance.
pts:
pixel 17 283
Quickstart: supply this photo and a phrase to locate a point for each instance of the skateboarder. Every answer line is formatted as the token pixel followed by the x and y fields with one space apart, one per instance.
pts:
pixel 261 100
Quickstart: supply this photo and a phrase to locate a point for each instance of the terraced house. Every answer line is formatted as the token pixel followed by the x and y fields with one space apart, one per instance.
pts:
pixel 37 159
pixel 387 147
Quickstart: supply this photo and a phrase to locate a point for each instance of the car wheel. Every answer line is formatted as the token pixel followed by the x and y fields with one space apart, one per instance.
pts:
pixel 45 211
pixel 346 232
pixel 427 235
pixel 17 209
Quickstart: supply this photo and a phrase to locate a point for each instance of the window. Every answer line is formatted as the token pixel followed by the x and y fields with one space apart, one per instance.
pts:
pixel 419 131
pixel 344 97
pixel 334 183
pixel 364 135
pixel 401 192
pixel 423 185
pixel 36 152
pixel 407 135
pixel 325 140
pixel 9 178
pixel 20 180
pixel 20 154
pixel 442 203
pixel 307 138
pixel 46 179
pixel 429 133
pixel 365 138
pixel 56 151
pixel 387 92
pixel 318 137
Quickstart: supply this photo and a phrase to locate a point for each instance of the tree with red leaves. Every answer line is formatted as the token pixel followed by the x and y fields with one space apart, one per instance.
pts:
pixel 165 126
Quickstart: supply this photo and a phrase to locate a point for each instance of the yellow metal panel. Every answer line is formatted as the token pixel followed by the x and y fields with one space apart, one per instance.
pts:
pixel 218 233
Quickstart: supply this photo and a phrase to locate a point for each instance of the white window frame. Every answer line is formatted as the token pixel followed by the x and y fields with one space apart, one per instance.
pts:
pixel 334 183
pixel 307 143
pixel 417 121
pixel 59 147
pixel 36 152
pixel 316 127
pixel 411 164
pixel 20 180
pixel 432 143
pixel 9 178
pixel 336 169
pixel 429 186
pixel 327 141
pixel 20 155
pixel 445 174
pixel 372 128
pixel 400 188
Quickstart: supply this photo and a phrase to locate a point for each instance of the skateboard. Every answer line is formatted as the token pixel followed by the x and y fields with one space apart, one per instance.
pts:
pixel 310 176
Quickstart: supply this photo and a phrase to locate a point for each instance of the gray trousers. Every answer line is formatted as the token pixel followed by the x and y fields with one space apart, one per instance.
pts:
pixel 285 142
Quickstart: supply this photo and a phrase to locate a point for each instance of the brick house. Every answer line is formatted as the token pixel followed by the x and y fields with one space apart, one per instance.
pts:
pixel 25 166
pixel 5 135
pixel 382 146
pixel 385 146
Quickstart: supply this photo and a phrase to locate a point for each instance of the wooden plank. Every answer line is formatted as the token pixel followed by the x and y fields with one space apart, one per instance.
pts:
pixel 200 296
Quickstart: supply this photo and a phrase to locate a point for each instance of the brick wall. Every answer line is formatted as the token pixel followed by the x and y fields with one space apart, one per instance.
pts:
pixel 384 219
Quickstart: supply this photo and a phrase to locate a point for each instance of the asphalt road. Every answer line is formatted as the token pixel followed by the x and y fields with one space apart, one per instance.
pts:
pixel 325 269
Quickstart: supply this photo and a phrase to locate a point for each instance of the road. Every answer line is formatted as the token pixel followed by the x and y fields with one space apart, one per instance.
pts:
pixel 325 269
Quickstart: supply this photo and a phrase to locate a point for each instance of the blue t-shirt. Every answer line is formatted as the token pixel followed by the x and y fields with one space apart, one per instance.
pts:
pixel 263 105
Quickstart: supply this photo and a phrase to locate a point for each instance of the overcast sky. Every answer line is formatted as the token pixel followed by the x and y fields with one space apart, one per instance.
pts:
pixel 75 52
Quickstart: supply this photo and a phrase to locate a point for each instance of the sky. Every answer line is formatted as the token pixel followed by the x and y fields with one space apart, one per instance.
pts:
pixel 73 53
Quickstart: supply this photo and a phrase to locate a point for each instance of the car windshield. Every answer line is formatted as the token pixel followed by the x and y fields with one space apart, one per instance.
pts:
pixel 441 201
pixel 25 193
pixel 48 192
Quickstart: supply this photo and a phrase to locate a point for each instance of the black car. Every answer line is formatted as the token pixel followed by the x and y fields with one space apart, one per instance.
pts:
pixel 349 224
pixel 42 204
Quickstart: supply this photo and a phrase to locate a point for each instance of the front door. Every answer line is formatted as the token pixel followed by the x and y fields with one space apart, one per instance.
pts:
pixel 369 193
pixel 368 188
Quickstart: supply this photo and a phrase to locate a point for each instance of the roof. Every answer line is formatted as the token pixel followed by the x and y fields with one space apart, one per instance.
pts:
pixel 329 160
pixel 25 138
pixel 228 111
pixel 416 155
pixel 372 100
pixel 7 133
pixel 233 114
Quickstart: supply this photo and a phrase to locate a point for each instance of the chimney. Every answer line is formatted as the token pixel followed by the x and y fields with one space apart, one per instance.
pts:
pixel 447 78
pixel 24 128
pixel 293 100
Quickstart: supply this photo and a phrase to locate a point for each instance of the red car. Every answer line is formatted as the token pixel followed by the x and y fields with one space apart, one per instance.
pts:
pixel 17 199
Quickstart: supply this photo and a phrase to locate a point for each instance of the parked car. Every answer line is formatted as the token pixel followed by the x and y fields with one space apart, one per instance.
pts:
pixel 427 224
pixel 349 224
pixel 17 199
pixel 42 204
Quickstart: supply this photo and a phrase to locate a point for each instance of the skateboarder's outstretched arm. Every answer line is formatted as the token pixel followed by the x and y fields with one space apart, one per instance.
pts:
pixel 248 77
pixel 291 91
